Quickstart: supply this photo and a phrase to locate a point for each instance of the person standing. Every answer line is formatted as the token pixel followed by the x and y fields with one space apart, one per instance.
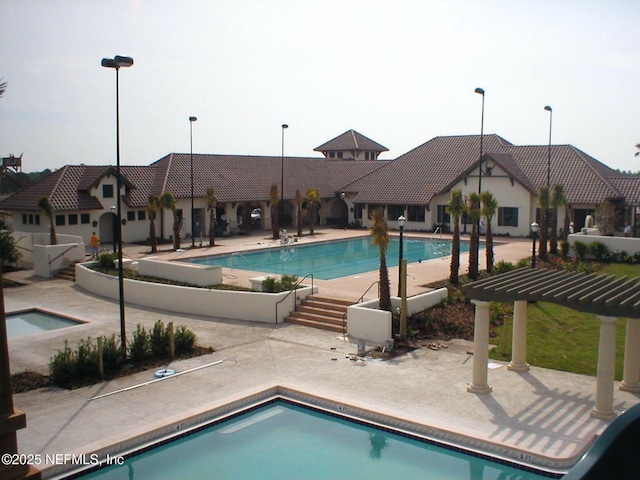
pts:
pixel 94 241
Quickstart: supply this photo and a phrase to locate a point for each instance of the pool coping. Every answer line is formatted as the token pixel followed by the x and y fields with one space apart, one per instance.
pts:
pixel 183 423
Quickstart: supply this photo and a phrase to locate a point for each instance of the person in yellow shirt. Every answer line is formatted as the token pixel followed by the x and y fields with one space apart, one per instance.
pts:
pixel 94 241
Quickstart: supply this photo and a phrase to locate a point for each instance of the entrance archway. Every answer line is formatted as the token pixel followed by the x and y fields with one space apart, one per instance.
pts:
pixel 107 229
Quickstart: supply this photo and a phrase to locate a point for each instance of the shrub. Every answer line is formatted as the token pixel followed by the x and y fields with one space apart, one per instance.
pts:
pixel 140 346
pixel 580 248
pixel 62 367
pixel 184 340
pixel 523 262
pixel 503 267
pixel 288 282
pixel 270 285
pixel 564 249
pixel 111 354
pixel 107 260
pixel 159 340
pixel 598 250
pixel 86 358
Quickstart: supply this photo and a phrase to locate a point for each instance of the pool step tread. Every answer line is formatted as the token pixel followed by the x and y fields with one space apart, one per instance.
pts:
pixel 321 312
pixel 67 273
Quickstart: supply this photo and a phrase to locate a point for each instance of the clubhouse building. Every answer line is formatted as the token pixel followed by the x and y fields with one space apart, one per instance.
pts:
pixel 347 172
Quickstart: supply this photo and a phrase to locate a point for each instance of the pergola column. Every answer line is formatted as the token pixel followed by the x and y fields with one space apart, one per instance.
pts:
pixel 606 369
pixel 480 349
pixel 631 374
pixel 518 361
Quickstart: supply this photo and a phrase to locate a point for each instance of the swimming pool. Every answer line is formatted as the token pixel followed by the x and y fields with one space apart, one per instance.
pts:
pixel 329 260
pixel 32 321
pixel 282 439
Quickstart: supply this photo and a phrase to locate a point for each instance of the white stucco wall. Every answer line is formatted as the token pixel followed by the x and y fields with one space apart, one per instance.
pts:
pixel 202 275
pixel 251 306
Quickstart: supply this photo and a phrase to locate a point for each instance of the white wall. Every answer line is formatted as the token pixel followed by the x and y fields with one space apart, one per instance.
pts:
pixel 626 244
pixel 366 320
pixel 251 306
pixel 48 259
pixel 202 275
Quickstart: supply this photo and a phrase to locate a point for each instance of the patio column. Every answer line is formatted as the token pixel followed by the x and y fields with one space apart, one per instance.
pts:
pixel 606 369
pixel 518 361
pixel 480 349
pixel 631 374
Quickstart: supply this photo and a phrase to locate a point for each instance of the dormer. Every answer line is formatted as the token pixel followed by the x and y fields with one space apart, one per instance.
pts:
pixel 351 145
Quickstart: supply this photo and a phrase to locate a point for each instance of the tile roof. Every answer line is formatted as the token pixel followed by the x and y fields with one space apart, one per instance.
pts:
pixel 412 179
pixel 67 189
pixel 351 140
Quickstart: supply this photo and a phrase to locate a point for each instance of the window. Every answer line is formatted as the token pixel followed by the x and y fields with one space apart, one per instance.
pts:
pixel 131 216
pixel 332 154
pixel 339 154
pixel 415 213
pixel 107 191
pixel 142 214
pixel 372 207
pixel 507 216
pixel 357 211
pixel 73 219
pixel 85 218
pixel 60 220
pixel 37 219
pixel 25 219
pixel 394 211
pixel 443 215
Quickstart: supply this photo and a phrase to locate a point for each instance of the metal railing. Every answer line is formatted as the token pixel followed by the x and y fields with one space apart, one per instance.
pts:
pixel 360 300
pixel 294 289
pixel 51 260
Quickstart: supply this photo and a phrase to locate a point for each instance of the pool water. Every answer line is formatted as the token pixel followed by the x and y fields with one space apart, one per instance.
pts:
pixel 286 441
pixel 328 260
pixel 35 321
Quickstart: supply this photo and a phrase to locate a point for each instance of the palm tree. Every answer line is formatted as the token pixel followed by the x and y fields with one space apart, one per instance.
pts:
pixel 558 199
pixel 455 208
pixel 489 208
pixel 168 201
pixel 380 233
pixel 47 210
pixel 274 198
pixel 3 87
pixel 543 200
pixel 152 209
pixel 637 145
pixel 299 201
pixel 473 210
pixel 212 201
pixel 313 202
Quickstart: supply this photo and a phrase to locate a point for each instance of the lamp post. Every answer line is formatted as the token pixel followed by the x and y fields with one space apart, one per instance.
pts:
pixel 550 110
pixel 480 91
pixel 534 235
pixel 193 222
pixel 116 63
pixel 401 222
pixel 281 209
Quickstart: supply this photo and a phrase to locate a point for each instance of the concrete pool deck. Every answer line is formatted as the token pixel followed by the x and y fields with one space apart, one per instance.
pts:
pixel 543 412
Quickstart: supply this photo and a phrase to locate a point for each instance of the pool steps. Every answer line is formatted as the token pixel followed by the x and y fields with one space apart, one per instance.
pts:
pixel 321 312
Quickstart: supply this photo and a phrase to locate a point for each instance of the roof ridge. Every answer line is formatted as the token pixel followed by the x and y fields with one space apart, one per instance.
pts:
pixel 355 140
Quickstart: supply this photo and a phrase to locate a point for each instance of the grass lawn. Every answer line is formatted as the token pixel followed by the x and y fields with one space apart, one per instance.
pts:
pixel 564 339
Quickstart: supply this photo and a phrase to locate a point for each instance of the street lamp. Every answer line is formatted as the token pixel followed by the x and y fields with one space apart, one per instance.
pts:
pixel 534 234
pixel 281 209
pixel 480 91
pixel 193 224
pixel 401 222
pixel 550 110
pixel 116 63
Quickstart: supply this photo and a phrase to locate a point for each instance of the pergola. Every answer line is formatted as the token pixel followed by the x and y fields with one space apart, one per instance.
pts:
pixel 607 296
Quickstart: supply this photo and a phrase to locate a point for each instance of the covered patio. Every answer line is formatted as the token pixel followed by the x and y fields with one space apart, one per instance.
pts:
pixel 607 296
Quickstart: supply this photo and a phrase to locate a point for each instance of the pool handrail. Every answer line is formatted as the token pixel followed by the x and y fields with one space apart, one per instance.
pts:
pixel 360 300
pixel 295 288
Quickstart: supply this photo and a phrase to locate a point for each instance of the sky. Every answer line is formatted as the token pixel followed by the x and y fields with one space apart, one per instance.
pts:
pixel 399 72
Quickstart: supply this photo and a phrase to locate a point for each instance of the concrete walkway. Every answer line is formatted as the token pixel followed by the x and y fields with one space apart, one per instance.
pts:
pixel 542 413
